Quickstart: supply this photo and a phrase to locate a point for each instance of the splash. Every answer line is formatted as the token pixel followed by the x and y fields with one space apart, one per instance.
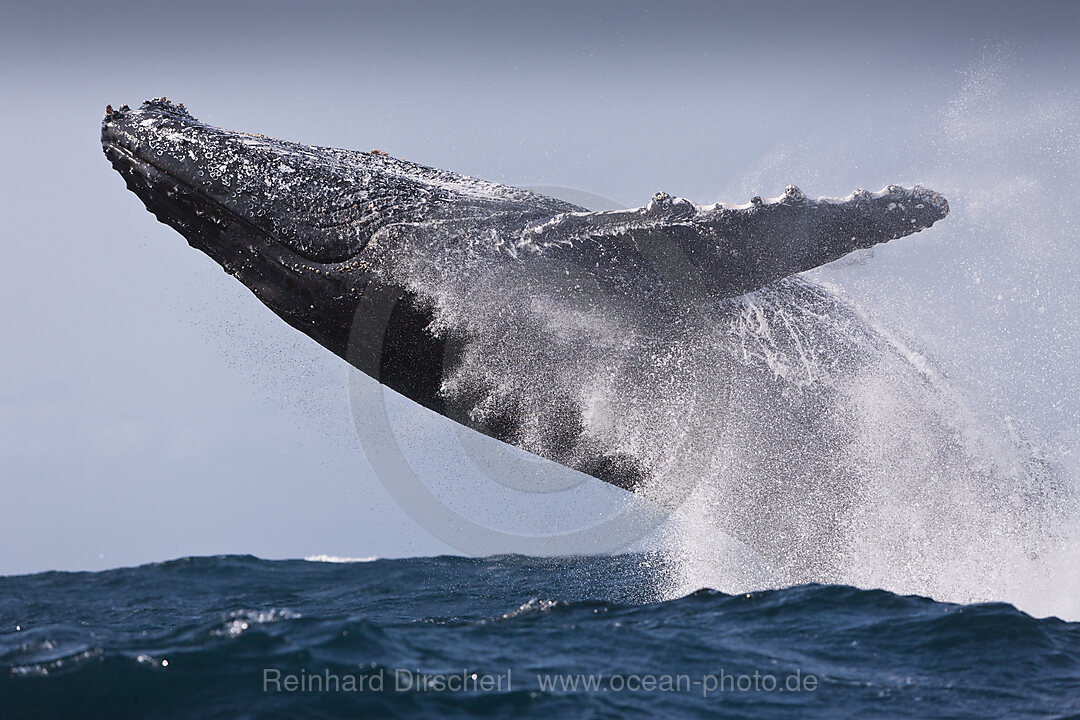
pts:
pixel 952 495
pixel 917 489
pixel 794 437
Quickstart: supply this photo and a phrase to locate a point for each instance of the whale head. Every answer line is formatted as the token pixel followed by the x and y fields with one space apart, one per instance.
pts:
pixel 279 216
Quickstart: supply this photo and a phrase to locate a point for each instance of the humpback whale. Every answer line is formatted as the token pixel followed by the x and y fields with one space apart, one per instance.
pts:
pixel 509 312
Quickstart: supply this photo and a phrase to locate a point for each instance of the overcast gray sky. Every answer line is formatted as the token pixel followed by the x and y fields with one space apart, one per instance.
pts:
pixel 150 407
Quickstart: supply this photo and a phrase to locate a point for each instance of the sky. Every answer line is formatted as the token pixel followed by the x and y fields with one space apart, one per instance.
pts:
pixel 151 407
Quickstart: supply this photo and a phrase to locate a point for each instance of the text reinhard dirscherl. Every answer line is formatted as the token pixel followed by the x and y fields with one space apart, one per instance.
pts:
pixel 400 680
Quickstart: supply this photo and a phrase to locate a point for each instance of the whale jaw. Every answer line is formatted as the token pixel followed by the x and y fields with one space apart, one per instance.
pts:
pixel 238 230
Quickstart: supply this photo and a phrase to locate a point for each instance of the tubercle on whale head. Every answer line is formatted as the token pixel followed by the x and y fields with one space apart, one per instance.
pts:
pixel 161 103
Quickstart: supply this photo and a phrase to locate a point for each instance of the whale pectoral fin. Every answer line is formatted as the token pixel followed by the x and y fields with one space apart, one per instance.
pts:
pixel 791 234
pixel 729 251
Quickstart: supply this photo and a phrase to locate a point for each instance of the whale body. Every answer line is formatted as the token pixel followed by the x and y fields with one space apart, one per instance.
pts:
pixel 544 325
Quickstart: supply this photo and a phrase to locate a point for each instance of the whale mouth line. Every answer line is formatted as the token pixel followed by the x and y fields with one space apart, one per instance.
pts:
pixel 178 204
pixel 129 163
pixel 226 236
pixel 133 157
pixel 179 207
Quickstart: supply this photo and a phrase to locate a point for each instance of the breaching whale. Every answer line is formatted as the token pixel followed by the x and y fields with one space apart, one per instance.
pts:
pixel 497 307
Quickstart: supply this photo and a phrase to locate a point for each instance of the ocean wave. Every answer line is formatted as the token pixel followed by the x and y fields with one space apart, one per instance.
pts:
pixel 197 638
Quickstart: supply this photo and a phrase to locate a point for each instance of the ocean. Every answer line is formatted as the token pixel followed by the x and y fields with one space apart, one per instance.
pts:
pixel 509 636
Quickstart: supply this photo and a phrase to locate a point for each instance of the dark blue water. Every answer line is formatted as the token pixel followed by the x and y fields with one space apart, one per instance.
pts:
pixel 235 637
